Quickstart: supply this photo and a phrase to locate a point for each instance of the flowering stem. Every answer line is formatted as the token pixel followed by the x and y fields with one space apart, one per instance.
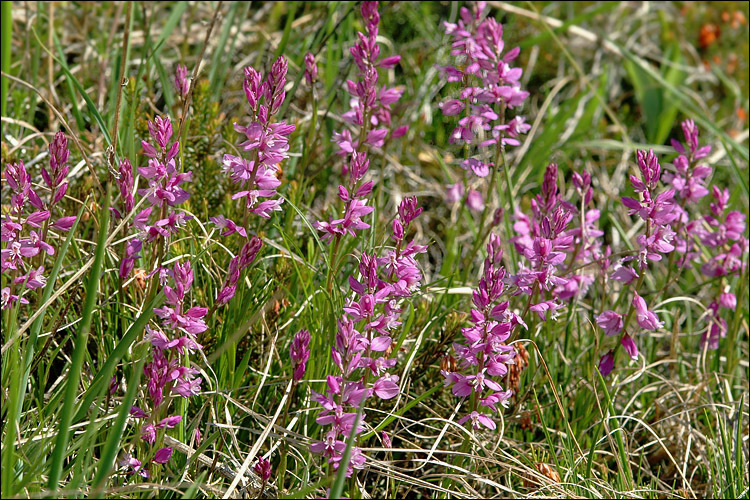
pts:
pixel 333 271
pixel 284 446
pixel 506 219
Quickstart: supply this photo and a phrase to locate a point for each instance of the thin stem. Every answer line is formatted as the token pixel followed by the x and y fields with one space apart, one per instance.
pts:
pixel 123 58
pixel 196 70
pixel 506 218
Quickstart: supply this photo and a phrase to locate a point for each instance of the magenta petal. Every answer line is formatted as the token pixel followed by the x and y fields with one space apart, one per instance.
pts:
pixel 380 344
pixel 163 455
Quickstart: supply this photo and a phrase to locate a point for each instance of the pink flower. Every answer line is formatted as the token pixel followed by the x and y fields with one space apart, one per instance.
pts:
pixel 386 439
pixel 475 201
pixel 163 455
pixel 477 420
pixel 181 82
pixel 311 69
pixel 610 322
pixel 646 319
pixel 299 352
pixel 629 344
pixel 624 274
pixel 228 226
pixel 607 363
pixel 542 308
pixel 454 192
pixel 263 469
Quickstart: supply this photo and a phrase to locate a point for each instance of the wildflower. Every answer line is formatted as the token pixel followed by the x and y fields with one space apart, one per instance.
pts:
pixel 363 336
pixel 263 469
pixel 7 299
pixel 607 363
pixel 129 462
pixel 490 88
pixel 386 439
pixel 311 69
pixel 55 176
pixel 475 201
pixel 266 141
pixel 370 104
pixel 646 319
pixel 484 353
pixel 454 192
pixel 610 322
pixel 228 225
pixel 25 226
pixel 477 420
pixel 163 193
pixel 299 352
pixel 247 255
pixel 163 455
pixel 181 82
pixel 629 344
pixel 354 200
pixel 168 371
pixel 689 180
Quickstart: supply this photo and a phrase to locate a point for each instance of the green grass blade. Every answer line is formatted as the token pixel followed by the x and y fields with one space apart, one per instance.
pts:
pixel 74 375
pixel 16 404
pixel 287 29
pixel 112 446
pixel 5 42
pixel 177 10
pixel 166 82
pixel 624 466
pixel 105 373
pixel 71 87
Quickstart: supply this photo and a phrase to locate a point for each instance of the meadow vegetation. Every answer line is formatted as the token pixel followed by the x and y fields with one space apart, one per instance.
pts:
pixel 362 249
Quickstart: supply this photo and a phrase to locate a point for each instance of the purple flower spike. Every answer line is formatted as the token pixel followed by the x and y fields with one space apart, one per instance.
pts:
pixel 483 356
pixel 299 352
pixel 266 141
pixel 311 69
pixel 181 82
pixel 263 469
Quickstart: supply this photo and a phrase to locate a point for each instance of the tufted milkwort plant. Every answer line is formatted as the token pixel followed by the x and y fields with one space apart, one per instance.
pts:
pixel 374 249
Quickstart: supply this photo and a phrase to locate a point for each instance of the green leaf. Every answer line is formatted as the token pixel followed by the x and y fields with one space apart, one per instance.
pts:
pixel 74 374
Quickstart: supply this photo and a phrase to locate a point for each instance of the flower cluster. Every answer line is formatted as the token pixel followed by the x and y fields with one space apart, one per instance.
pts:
pixel 484 357
pixel 25 227
pixel 299 353
pixel 658 210
pixel 355 201
pixel 543 240
pixel 181 82
pixel 311 69
pixel 370 106
pixel 169 372
pixel 546 241
pixel 490 87
pixel 238 263
pixel 268 144
pixel 160 221
pixel 721 232
pixel 266 141
pixel 363 344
